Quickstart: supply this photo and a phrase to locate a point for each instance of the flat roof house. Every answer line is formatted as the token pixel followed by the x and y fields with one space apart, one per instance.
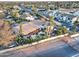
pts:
pixel 27 29
pixel 27 16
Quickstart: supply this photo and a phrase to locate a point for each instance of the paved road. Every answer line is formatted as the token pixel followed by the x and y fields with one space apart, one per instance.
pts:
pixel 64 51
pixel 47 49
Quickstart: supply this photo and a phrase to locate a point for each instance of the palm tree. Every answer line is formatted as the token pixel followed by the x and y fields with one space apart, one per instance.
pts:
pixel 20 31
pixel 50 28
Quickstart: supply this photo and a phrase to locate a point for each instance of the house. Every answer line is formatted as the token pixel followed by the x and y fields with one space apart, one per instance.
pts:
pixel 67 11
pixel 53 13
pixel 27 16
pixel 27 29
pixel 40 24
pixel 16 7
pixel 30 18
pixel 76 13
pixel 25 8
pixel 43 12
pixel 74 19
pixel 41 9
pixel 64 18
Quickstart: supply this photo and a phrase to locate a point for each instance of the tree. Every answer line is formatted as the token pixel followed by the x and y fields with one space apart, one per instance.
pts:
pixel 37 38
pixel 20 40
pixel 2 15
pixel 20 31
pixel 76 22
pixel 33 8
pixel 51 20
pixel 50 27
pixel 15 13
pixel 29 40
pixel 64 30
pixel 61 30
pixel 73 29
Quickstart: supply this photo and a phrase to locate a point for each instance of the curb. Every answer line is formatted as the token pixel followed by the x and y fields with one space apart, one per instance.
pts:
pixel 28 45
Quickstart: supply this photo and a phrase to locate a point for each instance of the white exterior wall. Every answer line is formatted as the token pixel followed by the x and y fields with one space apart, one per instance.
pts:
pixel 74 19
